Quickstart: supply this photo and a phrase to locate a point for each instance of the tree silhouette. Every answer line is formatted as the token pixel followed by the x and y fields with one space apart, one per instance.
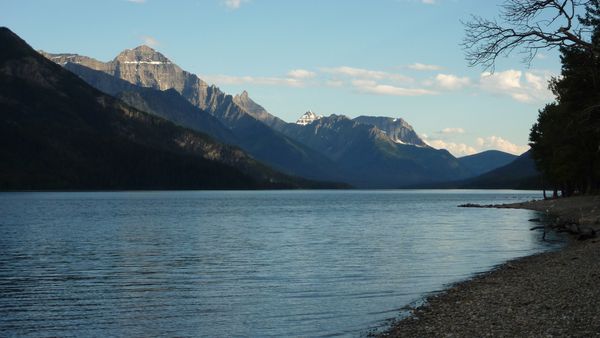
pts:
pixel 526 26
pixel 565 140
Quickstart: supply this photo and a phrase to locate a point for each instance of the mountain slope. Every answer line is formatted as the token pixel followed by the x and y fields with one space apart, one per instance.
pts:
pixel 370 152
pixel 257 111
pixel 370 158
pixel 486 161
pixel 167 104
pixel 145 67
pixel 518 174
pixel 396 129
pixel 57 132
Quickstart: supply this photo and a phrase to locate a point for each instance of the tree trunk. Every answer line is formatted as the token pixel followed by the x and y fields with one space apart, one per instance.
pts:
pixel 543 187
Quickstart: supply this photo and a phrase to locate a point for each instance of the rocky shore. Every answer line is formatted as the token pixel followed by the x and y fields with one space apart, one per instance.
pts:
pixel 553 294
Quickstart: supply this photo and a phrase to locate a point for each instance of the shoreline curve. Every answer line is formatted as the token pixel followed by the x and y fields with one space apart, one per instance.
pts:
pixel 548 294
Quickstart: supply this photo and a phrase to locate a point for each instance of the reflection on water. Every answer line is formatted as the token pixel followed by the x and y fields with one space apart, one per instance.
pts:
pixel 278 263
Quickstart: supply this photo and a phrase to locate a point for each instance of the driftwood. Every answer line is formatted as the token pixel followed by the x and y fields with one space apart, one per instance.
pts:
pixel 541 227
pixel 572 228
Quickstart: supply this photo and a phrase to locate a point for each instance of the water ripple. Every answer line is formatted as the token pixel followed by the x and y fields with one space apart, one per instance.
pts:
pixel 301 263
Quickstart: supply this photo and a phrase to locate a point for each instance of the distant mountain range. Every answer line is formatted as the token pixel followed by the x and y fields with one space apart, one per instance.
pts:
pixel 158 126
pixel 168 104
pixel 57 132
pixel 520 173
pixel 373 157
pixel 147 68
pixel 486 161
pixel 368 152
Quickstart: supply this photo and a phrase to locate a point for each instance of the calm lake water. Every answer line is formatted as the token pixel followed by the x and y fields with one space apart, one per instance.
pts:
pixel 259 263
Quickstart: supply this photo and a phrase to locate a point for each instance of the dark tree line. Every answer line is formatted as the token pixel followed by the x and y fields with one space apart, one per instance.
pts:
pixel 565 140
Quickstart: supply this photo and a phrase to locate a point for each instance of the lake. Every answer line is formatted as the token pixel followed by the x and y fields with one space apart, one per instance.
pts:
pixel 242 263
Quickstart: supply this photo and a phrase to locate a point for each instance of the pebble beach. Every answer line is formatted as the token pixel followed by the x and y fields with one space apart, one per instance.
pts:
pixel 553 294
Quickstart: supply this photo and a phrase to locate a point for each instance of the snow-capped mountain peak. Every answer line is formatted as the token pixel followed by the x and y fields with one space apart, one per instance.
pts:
pixel 308 118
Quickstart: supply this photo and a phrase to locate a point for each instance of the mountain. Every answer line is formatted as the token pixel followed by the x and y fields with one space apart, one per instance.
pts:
pixel 521 173
pixel 57 132
pixel 486 161
pixel 308 118
pixel 257 111
pixel 368 152
pixel 167 104
pixel 369 157
pixel 396 129
pixel 518 174
pixel 145 67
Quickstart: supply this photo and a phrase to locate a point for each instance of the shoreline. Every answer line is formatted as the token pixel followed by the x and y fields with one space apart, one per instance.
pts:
pixel 547 294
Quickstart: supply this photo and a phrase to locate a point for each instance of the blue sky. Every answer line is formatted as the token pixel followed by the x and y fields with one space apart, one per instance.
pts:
pixel 397 58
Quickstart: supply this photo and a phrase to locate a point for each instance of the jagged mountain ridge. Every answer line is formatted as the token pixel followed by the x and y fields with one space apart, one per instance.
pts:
pixel 308 118
pixel 257 111
pixel 167 104
pixel 371 158
pixel 396 129
pixel 146 67
pixel 57 132
pixel 377 152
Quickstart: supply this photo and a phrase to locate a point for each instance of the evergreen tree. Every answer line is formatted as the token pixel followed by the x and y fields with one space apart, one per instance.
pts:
pixel 565 141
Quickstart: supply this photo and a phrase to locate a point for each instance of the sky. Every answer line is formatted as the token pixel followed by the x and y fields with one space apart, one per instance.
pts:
pixel 396 58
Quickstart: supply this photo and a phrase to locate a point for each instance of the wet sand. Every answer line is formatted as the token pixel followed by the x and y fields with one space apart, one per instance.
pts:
pixel 553 294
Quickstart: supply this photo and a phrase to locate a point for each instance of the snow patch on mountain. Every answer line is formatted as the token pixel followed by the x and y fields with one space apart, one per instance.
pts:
pixel 147 62
pixel 308 118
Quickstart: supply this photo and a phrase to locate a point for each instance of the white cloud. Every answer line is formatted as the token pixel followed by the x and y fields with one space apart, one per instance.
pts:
pixel 372 87
pixel 522 87
pixel 334 83
pixel 294 78
pixel 428 2
pixel 481 144
pixel 234 4
pixel 301 74
pixel 149 41
pixel 373 81
pixel 424 67
pixel 497 142
pixel 456 149
pixel 522 97
pixel 137 1
pixel 361 73
pixel 452 131
pixel 537 82
pixel 501 81
pixel 255 80
pixel 451 82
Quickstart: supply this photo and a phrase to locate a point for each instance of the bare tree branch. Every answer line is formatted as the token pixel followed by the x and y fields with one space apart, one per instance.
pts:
pixel 527 26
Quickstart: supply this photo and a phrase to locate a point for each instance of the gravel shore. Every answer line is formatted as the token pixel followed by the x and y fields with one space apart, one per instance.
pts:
pixel 553 294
